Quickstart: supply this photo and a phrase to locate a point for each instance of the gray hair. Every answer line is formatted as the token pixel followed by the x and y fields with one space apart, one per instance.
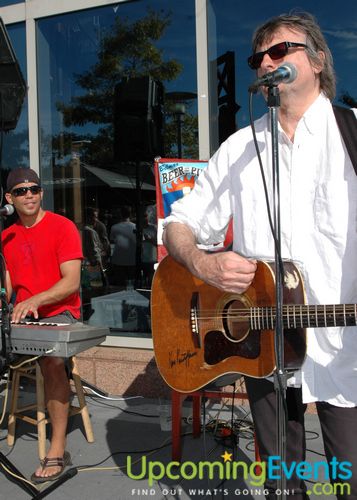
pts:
pixel 305 23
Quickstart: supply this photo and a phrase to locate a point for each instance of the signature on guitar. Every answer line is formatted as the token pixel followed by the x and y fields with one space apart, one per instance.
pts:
pixel 179 357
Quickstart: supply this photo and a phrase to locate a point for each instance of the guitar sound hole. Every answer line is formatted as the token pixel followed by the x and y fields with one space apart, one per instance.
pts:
pixel 236 320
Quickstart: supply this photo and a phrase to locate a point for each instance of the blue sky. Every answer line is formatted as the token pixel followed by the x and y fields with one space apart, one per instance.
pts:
pixel 234 21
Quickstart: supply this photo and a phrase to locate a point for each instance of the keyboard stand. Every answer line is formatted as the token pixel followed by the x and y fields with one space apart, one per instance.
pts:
pixel 5 462
pixel 11 471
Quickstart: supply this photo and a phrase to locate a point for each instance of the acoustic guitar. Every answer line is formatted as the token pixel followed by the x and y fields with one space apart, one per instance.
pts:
pixel 201 333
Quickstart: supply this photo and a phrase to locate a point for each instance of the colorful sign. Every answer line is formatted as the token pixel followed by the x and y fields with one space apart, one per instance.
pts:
pixel 176 178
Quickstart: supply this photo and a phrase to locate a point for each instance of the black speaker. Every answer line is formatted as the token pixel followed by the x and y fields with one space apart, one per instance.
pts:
pixel 12 83
pixel 138 119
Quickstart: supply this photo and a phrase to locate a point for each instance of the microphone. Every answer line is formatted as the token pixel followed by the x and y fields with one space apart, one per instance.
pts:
pixel 286 73
pixel 7 210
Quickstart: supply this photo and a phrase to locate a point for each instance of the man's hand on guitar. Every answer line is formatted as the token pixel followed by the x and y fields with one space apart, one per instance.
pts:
pixel 227 271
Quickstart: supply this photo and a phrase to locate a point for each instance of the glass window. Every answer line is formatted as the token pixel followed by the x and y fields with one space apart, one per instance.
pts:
pixel 16 146
pixel 117 87
pixel 230 33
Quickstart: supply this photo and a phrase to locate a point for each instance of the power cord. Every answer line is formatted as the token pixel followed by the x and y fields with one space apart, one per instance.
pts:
pixel 124 410
pixel 110 398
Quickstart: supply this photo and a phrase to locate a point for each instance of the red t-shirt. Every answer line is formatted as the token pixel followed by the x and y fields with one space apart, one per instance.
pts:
pixel 33 257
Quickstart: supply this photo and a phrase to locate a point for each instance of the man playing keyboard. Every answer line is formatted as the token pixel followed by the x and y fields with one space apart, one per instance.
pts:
pixel 43 256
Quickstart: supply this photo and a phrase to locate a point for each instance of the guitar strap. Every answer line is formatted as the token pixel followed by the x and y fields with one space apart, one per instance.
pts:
pixel 347 123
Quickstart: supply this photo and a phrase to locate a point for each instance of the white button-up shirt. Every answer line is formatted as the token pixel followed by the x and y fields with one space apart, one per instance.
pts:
pixel 318 205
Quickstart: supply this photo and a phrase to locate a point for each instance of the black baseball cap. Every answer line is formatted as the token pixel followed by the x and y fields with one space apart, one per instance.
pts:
pixel 20 175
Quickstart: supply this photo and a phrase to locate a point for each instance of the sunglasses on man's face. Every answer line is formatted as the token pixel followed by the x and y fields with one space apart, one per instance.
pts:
pixel 275 52
pixel 22 191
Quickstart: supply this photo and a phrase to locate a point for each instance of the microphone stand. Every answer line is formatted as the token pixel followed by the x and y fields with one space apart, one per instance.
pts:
pixel 6 355
pixel 280 374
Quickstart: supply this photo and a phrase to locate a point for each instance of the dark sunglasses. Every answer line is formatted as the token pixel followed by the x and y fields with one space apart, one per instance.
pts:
pixel 23 190
pixel 275 52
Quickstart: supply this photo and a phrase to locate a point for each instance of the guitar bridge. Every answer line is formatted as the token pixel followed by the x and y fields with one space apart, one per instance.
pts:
pixel 194 319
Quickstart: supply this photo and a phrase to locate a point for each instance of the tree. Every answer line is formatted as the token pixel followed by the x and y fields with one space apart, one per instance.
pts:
pixel 127 50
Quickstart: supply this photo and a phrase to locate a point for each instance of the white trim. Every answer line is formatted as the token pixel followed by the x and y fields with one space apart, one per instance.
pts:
pixel 31 60
pixel 202 79
pixel 13 13
pixel 132 342
pixel 35 9
pixel 43 8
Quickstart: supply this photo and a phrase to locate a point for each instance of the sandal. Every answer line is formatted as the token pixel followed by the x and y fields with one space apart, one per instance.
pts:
pixel 52 462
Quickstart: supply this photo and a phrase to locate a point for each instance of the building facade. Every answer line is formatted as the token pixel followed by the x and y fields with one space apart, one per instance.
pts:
pixel 111 86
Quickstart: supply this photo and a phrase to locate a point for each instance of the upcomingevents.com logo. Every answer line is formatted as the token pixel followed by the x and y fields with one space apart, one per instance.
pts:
pixel 254 474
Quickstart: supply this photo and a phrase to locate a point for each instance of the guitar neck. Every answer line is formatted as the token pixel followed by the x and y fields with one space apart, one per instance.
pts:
pixel 304 316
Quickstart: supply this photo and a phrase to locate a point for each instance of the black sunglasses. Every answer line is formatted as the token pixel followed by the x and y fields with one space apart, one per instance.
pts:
pixel 23 190
pixel 275 52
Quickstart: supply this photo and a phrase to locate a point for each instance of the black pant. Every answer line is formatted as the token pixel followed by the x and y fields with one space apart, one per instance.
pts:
pixel 339 431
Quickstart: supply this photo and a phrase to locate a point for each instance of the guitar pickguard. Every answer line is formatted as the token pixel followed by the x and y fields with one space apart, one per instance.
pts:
pixel 218 347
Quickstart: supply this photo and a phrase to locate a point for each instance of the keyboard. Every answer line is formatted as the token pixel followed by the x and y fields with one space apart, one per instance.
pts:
pixel 54 339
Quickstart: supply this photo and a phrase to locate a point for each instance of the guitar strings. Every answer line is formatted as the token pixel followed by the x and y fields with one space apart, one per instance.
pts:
pixel 289 311
pixel 294 306
pixel 312 310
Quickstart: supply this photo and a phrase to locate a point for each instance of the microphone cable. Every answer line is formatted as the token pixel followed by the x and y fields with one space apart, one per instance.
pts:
pixel 272 229
pixel 271 225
